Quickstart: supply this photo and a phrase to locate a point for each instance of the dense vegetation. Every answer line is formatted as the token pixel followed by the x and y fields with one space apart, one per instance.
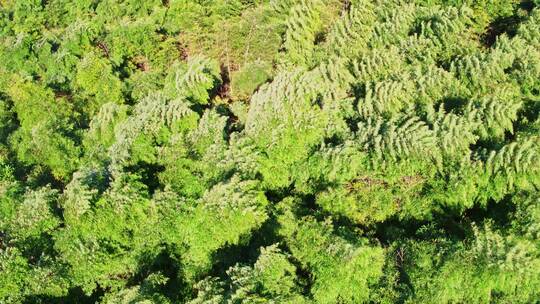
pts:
pixel 281 151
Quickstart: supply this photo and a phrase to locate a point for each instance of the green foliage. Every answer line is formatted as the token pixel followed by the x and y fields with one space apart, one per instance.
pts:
pixel 191 160
pixel 225 214
pixel 353 30
pixel 193 80
pixel 491 266
pixel 96 83
pixel 265 151
pixel 24 279
pixel 246 80
pixel 341 271
pixel 45 126
pixel 271 278
pixel 33 216
pixel 6 120
pixel 104 253
pixel 147 292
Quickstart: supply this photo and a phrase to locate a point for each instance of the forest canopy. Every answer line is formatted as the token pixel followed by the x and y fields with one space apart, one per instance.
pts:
pixel 269 151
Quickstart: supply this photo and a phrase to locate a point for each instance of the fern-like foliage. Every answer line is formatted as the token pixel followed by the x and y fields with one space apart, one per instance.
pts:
pixel 497 112
pixel 482 72
pixel 276 151
pixel 34 215
pixel 396 139
pixel 385 98
pixel 396 20
pixel 303 23
pixel 524 47
pixel 330 166
pixel 100 135
pixel 515 158
pixel 193 80
pixel 530 30
pixel 513 167
pixel 294 113
pixel 149 116
pixel 498 251
pixel 508 261
pixel 81 193
pixel 434 84
pixel 527 216
pixel 378 64
pixel 526 65
pixel 455 133
pixel 445 29
pixel 351 33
